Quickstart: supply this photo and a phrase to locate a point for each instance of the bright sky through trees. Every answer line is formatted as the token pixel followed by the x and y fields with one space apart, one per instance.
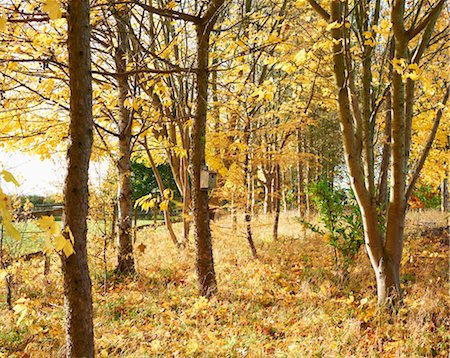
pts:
pixel 36 176
pixel 41 177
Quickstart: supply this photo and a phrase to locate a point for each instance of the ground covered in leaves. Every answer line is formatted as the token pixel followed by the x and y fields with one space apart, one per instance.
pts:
pixel 286 304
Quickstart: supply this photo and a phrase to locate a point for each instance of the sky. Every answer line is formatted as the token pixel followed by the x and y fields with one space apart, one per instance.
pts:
pixel 40 177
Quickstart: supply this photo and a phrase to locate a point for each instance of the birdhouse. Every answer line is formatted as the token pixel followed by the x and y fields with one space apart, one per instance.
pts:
pixel 208 179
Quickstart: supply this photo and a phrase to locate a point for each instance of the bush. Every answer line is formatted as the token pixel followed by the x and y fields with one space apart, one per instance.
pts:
pixel 428 196
pixel 342 223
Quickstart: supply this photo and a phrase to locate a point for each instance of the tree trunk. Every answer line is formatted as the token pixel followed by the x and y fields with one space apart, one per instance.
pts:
pixel 444 200
pixel 283 192
pixel 248 178
pixel 77 283
pixel 125 264
pixel 233 213
pixel 161 190
pixel 207 284
pixel 277 205
pixel 186 207
pixel 3 267
pixel 300 177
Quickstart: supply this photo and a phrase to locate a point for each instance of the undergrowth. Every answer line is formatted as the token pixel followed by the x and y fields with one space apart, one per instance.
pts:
pixel 283 305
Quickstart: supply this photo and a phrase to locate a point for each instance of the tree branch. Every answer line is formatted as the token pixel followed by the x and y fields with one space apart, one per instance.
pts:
pixel 319 9
pixel 172 14
pixel 413 32
pixel 427 148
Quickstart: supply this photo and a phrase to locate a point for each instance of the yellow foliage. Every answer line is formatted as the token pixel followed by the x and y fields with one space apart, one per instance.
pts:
pixel 52 233
pixel 3 22
pixel 53 9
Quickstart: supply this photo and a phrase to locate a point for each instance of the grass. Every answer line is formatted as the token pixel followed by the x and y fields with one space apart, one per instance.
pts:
pixel 286 304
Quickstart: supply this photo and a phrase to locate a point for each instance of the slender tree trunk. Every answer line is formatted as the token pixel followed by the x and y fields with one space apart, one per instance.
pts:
pixel 393 245
pixel 233 213
pixel 300 177
pixel 283 192
pixel 277 205
pixel 3 266
pixel 266 197
pixel 248 208
pixel 186 206
pixel 77 283
pixel 382 199
pixel 135 224
pixel 444 200
pixel 186 219
pixel 207 284
pixel 161 190
pixel 125 264
pixel 248 178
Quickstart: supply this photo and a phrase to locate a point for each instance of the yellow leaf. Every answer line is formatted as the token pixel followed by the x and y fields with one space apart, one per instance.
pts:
pixel 164 205
pixel 168 194
pixel 333 25
pixel 47 245
pixel 53 9
pixel 49 225
pixel 350 300
pixel 5 205
pixel 20 309
pixel 68 248
pixel 3 274
pixel 11 230
pixel 399 65
pixel 3 22
pixel 9 177
pixel 192 347
pixel 269 96
pixel 300 57
pixel 370 42
pixel 273 38
pixel 72 239
pixel 288 68
pixel 60 242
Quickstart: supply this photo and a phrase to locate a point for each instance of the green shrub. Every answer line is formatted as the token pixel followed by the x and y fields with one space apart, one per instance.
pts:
pixel 342 223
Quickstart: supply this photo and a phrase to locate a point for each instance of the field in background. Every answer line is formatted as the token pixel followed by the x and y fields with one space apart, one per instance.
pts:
pixel 286 304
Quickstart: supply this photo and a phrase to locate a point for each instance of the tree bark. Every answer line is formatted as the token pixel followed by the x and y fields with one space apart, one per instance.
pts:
pixel 444 200
pixel 248 178
pixel 125 260
pixel 207 284
pixel 277 205
pixel 300 177
pixel 77 283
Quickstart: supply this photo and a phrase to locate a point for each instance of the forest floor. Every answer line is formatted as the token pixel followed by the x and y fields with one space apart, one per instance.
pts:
pixel 285 304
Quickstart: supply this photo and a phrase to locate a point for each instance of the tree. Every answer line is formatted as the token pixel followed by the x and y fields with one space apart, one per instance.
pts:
pixel 125 260
pixel 202 232
pixel 361 65
pixel 77 283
